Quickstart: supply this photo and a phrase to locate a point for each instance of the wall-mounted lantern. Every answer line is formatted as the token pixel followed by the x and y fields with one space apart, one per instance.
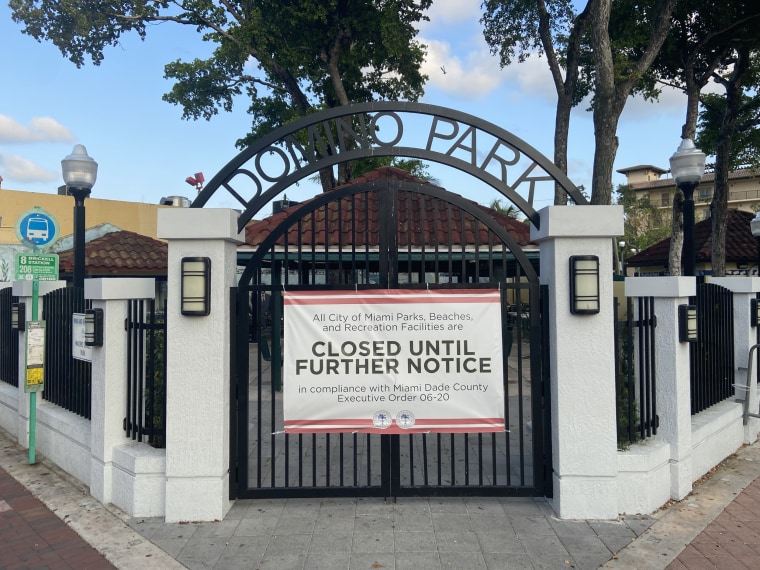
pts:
pixel 93 327
pixel 687 323
pixel 584 284
pixel 18 316
pixel 196 286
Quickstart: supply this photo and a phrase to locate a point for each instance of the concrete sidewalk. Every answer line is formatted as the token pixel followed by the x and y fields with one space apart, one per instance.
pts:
pixel 433 533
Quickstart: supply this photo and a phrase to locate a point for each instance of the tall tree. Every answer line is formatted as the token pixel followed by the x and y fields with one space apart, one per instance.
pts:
pixel 619 66
pixel 698 49
pixel 702 46
pixel 546 27
pixel 288 58
pixel 734 83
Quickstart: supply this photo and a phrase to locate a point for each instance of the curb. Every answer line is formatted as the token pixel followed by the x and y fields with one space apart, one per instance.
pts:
pixel 104 527
pixel 679 524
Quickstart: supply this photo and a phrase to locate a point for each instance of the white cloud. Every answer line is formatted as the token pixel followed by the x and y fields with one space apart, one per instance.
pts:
pixel 40 129
pixel 20 169
pixel 452 11
pixel 471 77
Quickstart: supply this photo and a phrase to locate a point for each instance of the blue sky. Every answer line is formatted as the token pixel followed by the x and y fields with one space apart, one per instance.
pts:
pixel 145 150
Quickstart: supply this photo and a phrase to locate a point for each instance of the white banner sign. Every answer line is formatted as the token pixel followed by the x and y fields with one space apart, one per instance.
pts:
pixel 79 349
pixel 393 361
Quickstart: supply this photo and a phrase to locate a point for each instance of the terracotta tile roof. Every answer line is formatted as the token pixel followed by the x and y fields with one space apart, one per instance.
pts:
pixel 419 219
pixel 120 251
pixel 741 245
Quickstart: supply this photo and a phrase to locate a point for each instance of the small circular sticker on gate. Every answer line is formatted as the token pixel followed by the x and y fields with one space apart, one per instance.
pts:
pixel 405 419
pixel 382 419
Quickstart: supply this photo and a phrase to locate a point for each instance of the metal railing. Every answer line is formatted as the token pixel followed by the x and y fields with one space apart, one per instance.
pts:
pixel 712 356
pixel 8 339
pixel 145 418
pixel 68 381
pixel 635 379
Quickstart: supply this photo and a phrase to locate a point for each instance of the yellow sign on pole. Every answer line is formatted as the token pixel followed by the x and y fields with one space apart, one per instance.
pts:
pixel 35 356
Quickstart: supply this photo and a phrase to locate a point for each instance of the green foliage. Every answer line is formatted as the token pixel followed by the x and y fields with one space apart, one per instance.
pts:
pixel 508 210
pixel 287 58
pixel 745 142
pixel 644 224
pixel 625 401
pixel 155 404
pixel 415 167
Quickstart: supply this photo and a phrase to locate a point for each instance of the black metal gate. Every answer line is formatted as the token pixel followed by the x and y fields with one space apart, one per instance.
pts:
pixel 68 381
pixel 8 339
pixel 386 234
pixel 712 356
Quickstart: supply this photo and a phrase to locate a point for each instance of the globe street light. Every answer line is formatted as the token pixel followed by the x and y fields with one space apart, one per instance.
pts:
pixel 687 166
pixel 79 174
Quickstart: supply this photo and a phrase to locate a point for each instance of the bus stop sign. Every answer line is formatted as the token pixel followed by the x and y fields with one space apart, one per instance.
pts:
pixel 37 229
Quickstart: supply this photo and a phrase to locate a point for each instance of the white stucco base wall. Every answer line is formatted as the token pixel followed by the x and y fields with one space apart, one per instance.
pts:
pixel 644 470
pixel 139 477
pixel 64 438
pixel 717 432
pixel 643 477
pixel 8 407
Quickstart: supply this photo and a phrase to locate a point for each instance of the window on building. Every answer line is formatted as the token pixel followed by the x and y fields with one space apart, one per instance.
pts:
pixel 704 193
pixel 665 199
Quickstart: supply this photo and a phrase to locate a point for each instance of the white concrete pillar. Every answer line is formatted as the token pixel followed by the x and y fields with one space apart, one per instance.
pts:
pixel 672 371
pixel 582 356
pixel 745 336
pixel 24 291
pixel 109 375
pixel 198 366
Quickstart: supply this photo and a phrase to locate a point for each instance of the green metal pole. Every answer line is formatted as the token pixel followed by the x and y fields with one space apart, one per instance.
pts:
pixel 33 395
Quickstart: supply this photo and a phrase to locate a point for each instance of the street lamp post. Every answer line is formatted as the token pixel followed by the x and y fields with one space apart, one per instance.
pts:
pixel 79 174
pixel 687 166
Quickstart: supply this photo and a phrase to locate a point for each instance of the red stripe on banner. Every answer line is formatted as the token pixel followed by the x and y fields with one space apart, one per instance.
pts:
pixel 465 296
pixel 396 430
pixel 452 425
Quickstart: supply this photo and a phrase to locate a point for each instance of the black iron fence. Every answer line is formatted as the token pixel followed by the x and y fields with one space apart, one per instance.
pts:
pixel 145 418
pixel 712 356
pixel 68 380
pixel 635 379
pixel 8 339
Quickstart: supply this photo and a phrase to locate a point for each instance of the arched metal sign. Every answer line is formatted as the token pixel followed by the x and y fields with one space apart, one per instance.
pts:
pixel 388 128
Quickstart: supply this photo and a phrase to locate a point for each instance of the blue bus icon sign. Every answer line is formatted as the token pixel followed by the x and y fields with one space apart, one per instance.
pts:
pixel 37 229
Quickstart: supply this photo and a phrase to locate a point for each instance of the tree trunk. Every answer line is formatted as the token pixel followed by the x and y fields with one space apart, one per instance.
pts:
pixel 719 205
pixel 612 90
pixel 561 132
pixel 605 122
pixel 676 235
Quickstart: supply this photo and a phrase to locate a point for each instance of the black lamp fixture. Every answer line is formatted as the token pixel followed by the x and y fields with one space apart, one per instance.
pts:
pixel 688 166
pixel 18 316
pixel 93 327
pixel 687 323
pixel 79 173
pixel 196 286
pixel 584 284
